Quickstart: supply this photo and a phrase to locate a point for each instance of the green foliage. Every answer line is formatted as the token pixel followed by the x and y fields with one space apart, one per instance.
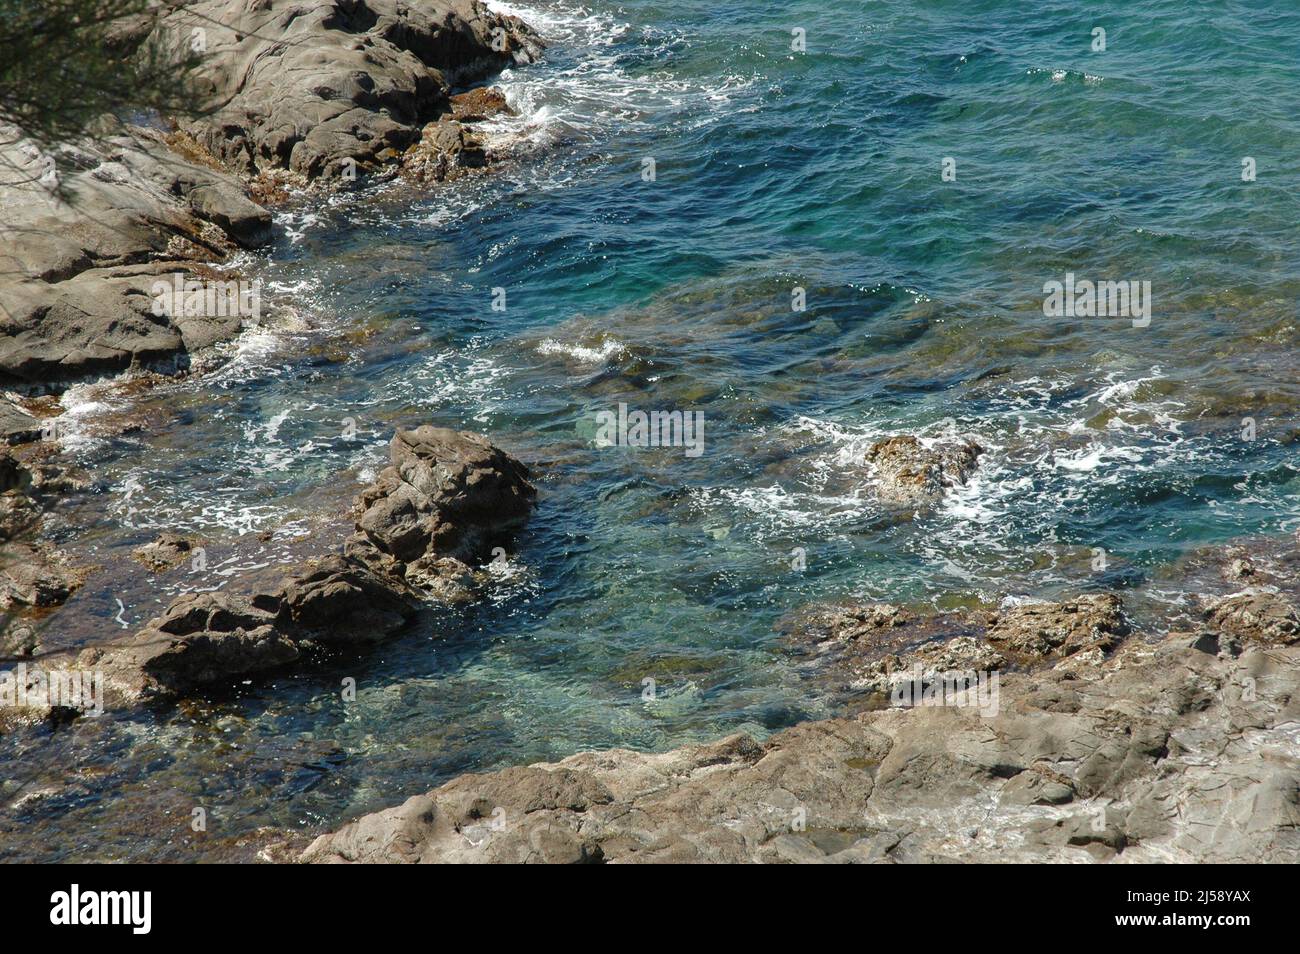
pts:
pixel 63 63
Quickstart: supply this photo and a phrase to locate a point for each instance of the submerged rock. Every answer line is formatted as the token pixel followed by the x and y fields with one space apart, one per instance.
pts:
pixel 169 550
pixel 1161 754
pixel 910 473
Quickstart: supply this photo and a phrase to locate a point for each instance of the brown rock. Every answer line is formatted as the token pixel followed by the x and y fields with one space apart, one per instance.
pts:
pixel 909 473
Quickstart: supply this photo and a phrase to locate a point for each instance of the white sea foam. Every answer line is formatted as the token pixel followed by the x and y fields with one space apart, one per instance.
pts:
pixel 587 85
pixel 601 354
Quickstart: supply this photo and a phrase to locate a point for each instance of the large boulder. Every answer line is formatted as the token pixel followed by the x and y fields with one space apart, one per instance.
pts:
pixel 318 88
pixel 446 499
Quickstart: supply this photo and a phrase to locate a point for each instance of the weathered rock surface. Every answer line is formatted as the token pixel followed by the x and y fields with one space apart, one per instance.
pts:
pixel 308 87
pixel 911 473
pixel 1159 754
pixel 1260 617
pixel 76 292
pixel 1093 623
pixel 446 497
pixel 870 648
pixel 451 147
pixel 32 575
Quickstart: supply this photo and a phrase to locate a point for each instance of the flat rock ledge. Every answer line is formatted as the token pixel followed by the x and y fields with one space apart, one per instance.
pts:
pixel 424 528
pixel 1181 751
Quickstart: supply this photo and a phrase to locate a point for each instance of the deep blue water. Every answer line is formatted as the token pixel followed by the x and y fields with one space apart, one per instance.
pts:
pixel 773 170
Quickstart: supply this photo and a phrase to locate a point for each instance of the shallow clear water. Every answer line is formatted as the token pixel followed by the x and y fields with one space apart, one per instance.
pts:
pixel 924 315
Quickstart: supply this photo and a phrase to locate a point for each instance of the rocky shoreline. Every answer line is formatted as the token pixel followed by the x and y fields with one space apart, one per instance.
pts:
pixel 313 99
pixel 1030 730
pixel 1181 750
pixel 288 97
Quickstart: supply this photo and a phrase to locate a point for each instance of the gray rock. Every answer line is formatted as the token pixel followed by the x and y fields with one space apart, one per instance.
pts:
pixel 16 426
pixel 1165 757
pixel 305 87
pixel 76 299
pixel 447 495
pixel 34 576
pixel 446 499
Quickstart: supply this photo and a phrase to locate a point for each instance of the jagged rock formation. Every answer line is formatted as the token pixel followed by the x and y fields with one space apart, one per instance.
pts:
pixel 434 512
pixel 910 473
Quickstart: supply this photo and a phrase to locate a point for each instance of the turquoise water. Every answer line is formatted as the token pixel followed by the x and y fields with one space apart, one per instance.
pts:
pixel 774 170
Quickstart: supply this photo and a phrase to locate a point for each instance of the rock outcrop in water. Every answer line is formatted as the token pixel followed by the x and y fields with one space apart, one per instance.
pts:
pixel 910 473
pixel 447 498
pixel 1182 751
pixel 319 89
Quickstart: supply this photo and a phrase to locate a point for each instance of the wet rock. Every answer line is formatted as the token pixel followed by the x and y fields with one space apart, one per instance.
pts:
pixel 338 601
pixel 478 104
pixel 169 550
pixel 910 473
pixel 18 638
pixel 447 150
pixel 201 639
pixel 873 648
pixel 337 85
pixel 1164 754
pixel 447 496
pixel 1268 618
pixel 1093 622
